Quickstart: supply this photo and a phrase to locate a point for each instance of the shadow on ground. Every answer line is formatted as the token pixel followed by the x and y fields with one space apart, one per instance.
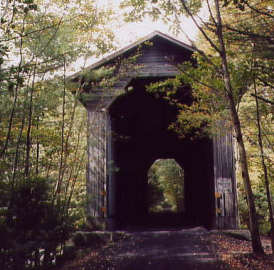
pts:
pixel 187 249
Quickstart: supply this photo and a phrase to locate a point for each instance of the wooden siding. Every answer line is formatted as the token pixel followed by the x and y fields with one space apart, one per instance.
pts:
pixel 110 177
pixel 156 36
pixel 225 182
pixel 157 61
pixel 97 171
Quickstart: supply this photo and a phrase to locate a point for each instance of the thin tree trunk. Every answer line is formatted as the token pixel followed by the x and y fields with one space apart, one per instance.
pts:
pixel 74 162
pixel 254 229
pixel 37 138
pixel 74 181
pixel 268 193
pixel 37 147
pixel 16 159
pixel 47 171
pixel 28 140
pixel 60 178
pixel 3 151
pixel 19 138
pixel 64 167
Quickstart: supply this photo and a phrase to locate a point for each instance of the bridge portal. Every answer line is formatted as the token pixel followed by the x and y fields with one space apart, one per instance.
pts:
pixel 129 130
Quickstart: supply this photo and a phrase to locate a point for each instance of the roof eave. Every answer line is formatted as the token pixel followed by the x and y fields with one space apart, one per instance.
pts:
pixel 133 45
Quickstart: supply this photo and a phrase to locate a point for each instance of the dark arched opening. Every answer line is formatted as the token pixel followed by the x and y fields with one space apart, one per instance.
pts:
pixel 140 135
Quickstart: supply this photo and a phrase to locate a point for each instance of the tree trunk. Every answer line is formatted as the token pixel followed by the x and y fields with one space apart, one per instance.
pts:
pixel 60 175
pixel 28 140
pixel 37 146
pixel 253 223
pixel 268 194
pixel 18 84
pixel 254 230
pixel 16 158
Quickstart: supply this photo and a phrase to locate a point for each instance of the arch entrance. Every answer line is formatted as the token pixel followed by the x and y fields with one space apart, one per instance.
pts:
pixel 128 131
pixel 140 135
pixel 165 191
pixel 165 194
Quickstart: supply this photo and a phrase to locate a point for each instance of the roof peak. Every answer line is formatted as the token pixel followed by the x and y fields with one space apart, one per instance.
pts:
pixel 135 44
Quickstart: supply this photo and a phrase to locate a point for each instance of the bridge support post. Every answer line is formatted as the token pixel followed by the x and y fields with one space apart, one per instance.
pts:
pixel 100 182
pixel 225 181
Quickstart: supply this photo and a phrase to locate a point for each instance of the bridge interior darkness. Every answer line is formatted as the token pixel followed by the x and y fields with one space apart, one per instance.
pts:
pixel 140 136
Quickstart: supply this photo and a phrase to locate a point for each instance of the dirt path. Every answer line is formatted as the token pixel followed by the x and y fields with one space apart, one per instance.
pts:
pixel 162 250
pixel 186 249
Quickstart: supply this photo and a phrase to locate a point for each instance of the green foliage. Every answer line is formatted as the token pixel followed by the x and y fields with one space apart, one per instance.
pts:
pixel 31 226
pixel 42 125
pixel 86 239
pixel 261 207
pixel 248 115
pixel 165 89
pixel 99 79
pixel 167 11
pixel 166 186
pixel 98 74
pixel 195 119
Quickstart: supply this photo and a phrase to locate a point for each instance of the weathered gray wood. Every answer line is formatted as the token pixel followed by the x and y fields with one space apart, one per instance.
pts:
pixel 132 47
pixel 111 187
pixel 157 60
pixel 224 178
pixel 100 177
pixel 97 171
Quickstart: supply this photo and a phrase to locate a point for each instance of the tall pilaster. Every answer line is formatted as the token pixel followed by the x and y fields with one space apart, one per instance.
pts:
pixel 97 167
pixel 225 181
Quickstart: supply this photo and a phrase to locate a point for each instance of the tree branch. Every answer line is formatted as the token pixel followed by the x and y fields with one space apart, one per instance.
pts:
pixel 257 10
pixel 211 14
pixel 263 99
pixel 199 27
pixel 250 34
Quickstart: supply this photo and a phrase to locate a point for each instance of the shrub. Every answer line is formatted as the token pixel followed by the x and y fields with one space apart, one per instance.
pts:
pixel 32 227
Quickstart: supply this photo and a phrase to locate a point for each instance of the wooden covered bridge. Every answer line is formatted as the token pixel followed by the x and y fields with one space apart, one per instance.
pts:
pixel 128 131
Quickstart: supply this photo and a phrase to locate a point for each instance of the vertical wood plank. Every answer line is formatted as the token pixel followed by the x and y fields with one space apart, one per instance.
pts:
pixel 110 167
pixel 224 177
pixel 97 169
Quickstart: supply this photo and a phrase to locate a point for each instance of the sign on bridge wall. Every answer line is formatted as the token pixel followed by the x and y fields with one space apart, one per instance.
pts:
pixel 224 184
pixel 225 197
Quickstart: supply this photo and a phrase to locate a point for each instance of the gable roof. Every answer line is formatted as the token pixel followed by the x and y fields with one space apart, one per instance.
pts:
pixel 134 45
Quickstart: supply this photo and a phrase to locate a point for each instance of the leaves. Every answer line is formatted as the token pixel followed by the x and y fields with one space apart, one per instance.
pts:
pixel 42 154
pixel 166 186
